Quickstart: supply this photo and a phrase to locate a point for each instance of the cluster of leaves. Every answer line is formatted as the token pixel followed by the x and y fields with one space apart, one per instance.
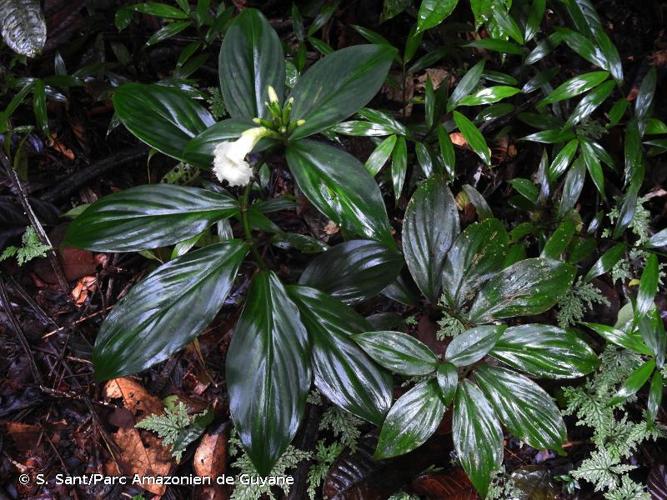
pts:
pixel 478 280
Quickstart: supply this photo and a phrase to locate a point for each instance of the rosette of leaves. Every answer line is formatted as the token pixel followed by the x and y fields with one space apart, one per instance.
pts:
pixel 479 373
pixel 287 337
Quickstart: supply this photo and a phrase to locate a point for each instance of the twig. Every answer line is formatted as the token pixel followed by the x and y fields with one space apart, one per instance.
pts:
pixel 4 302
pixel 34 222
pixel 78 179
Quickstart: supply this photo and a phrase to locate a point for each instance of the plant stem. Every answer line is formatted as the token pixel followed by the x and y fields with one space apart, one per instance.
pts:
pixel 246 227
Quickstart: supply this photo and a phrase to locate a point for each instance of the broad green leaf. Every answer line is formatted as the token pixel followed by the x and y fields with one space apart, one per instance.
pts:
pixel 572 187
pixel 477 200
pixel 562 160
pixel 399 165
pixel 359 128
pixel 167 310
pixel 424 159
pixel 659 239
pixel 583 46
pixel 551 136
pixel 380 155
pixel 268 371
pixel 163 117
pixel 433 12
pixel 342 370
pixel 645 95
pixel 473 137
pixel 477 253
pixel 575 86
pixel 507 26
pixel 489 95
pixel 654 396
pixel 545 351
pixel 159 9
pixel 478 438
pixel 413 419
pixel 634 382
pixel 251 58
pixel 168 31
pixel 447 153
pixel 652 331
pixel 526 188
pixel 592 162
pixel 466 85
pixel 543 48
pixel 473 344
pixel 39 106
pixel 529 287
pixel 648 284
pixel 398 352
pixel 199 150
pixel 148 216
pixel 384 120
pixel 430 226
pixel 23 26
pixel 559 240
pixel 535 15
pixel 589 103
pixel 620 338
pixel 339 186
pixel 539 80
pixel 617 111
pixel 606 262
pixel 655 126
pixel 353 271
pixel 523 407
pixel 448 378
pixel 338 85
pixel 494 111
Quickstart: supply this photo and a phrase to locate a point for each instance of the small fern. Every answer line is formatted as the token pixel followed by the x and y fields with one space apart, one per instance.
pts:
pixel 450 326
pixel 579 299
pixel 31 248
pixel 343 425
pixel 176 427
pixel 325 455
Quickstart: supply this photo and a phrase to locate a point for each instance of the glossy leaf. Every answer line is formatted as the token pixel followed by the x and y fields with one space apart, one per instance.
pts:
pixel 342 371
pixel 163 117
pixel 472 345
pixel 413 419
pixel 447 153
pixel 545 351
pixel 251 58
pixel 645 95
pixel 497 45
pixel 380 155
pixel 659 239
pixel 620 338
pixel 447 377
pixel 523 407
pixel 589 103
pixel 430 225
pixel 634 382
pixel 550 136
pixel 338 85
pixel 433 12
pixel 268 371
pixel 572 187
pixel 23 26
pixel 466 85
pixel 477 253
pixel 559 240
pixel 399 165
pixel 148 216
pixel 339 186
pixel 654 396
pixel 648 284
pixel 606 262
pixel 529 287
pixel 592 162
pixel 473 137
pixel 489 95
pixel 353 271
pixel 477 200
pixel 575 86
pixel 398 352
pixel 167 310
pixel 652 331
pixel 535 15
pixel 478 438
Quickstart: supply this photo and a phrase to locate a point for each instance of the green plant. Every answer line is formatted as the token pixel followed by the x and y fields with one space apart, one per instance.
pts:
pixel 31 248
pixel 176 427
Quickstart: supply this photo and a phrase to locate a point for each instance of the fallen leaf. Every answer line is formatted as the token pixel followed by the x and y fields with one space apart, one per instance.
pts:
pixel 25 436
pixel 210 458
pixel 83 287
pixel 452 484
pixel 458 139
pixel 61 148
pixel 135 397
pixel 147 458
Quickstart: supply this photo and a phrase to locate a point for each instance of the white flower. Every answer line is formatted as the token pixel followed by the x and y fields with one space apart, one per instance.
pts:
pixel 273 96
pixel 229 162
